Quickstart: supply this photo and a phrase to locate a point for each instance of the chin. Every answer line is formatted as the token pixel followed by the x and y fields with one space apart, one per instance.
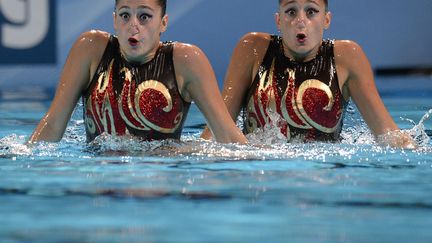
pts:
pixel 302 49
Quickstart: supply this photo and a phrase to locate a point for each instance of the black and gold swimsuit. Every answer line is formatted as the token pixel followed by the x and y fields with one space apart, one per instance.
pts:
pixel 140 100
pixel 305 95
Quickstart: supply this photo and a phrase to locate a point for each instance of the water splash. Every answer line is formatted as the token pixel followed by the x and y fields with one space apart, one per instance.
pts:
pixel 418 132
pixel 270 134
pixel 105 144
pixel 13 145
pixel 355 130
pixel 266 144
pixel 358 144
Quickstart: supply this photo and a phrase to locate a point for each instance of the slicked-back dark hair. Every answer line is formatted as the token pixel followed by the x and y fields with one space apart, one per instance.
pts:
pixel 162 3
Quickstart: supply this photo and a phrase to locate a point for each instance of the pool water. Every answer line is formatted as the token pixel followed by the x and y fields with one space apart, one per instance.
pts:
pixel 120 189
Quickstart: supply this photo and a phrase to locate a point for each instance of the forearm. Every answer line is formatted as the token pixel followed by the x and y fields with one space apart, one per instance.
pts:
pixel 220 126
pixel 228 133
pixel 206 134
pixel 46 131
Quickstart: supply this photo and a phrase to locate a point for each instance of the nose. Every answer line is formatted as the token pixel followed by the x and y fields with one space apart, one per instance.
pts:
pixel 300 21
pixel 133 26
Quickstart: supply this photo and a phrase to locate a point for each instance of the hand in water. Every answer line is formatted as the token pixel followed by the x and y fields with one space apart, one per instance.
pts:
pixel 397 139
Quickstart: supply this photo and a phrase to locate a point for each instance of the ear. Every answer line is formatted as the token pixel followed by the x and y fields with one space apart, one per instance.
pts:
pixel 277 21
pixel 164 23
pixel 115 22
pixel 327 20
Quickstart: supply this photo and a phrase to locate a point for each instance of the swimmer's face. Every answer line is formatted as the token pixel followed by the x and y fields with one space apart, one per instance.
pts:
pixel 302 24
pixel 138 24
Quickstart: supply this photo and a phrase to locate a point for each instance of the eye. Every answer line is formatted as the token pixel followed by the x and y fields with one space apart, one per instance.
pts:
pixel 124 16
pixel 144 17
pixel 291 12
pixel 312 11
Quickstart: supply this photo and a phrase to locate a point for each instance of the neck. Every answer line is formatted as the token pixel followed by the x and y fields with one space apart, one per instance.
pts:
pixel 141 59
pixel 301 57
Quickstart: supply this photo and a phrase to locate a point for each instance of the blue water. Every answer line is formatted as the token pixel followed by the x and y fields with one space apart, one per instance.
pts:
pixel 194 191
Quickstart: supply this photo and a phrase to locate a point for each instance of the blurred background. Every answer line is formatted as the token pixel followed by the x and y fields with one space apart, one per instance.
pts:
pixel 36 35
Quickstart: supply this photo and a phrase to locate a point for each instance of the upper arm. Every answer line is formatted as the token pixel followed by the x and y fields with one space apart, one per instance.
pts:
pixel 79 68
pixel 245 61
pixel 356 73
pixel 77 71
pixel 195 76
pixel 196 80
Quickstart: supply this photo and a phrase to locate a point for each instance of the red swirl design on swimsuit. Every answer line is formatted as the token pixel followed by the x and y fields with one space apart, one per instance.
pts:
pixel 310 106
pixel 318 106
pixel 100 117
pixel 147 106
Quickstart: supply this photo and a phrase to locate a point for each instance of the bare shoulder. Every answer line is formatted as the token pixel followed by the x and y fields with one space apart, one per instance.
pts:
pixel 257 41
pixel 92 42
pixel 189 62
pixel 94 35
pixel 191 67
pixel 249 52
pixel 85 55
pixel 347 51
pixel 350 56
pixel 352 63
pixel 256 37
pixel 185 53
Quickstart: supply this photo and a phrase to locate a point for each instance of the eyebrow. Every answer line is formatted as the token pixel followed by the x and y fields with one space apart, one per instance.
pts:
pixel 311 1
pixel 314 1
pixel 139 7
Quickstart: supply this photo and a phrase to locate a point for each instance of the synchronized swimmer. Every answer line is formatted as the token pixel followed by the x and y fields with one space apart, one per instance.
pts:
pixel 131 83
pixel 306 80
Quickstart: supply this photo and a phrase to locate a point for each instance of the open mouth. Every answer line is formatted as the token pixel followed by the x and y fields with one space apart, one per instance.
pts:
pixel 301 38
pixel 133 41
